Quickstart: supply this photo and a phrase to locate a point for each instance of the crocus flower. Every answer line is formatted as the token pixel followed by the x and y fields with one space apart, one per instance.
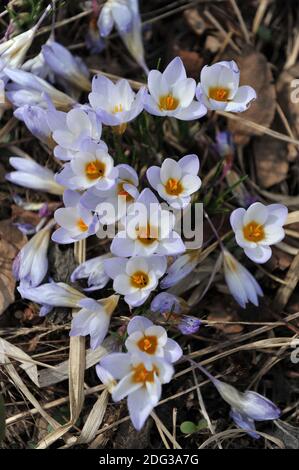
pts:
pixel 139 380
pixel 75 126
pixel 67 66
pixel 93 40
pixel 13 51
pixel 91 166
pixel 145 337
pixel 52 295
pixel 257 228
pixel 94 319
pixel 179 269
pixel 31 263
pixel 30 89
pixel 32 175
pixel 125 15
pixel 176 181
pixel 76 222
pixel 35 119
pixel 149 232
pixel 246 407
pixel 219 88
pixel 115 104
pixel 171 93
pixel 135 278
pixel 166 303
pixel 116 12
pixel 189 325
pixel 117 199
pixel 93 271
pixel 242 285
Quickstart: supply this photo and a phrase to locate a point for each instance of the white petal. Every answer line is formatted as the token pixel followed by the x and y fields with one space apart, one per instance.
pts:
pixel 153 176
pixel 158 264
pixel 140 407
pixel 117 364
pixel 277 214
pixel 189 164
pixel 170 169
pixel 175 71
pixel 191 184
pixel 236 219
pixel 115 266
pixel 156 85
pixel 122 285
pixel 273 233
pixel 137 264
pixel 194 111
pixel 260 254
pixel 172 351
pixel 138 323
pixel 242 99
pixel 184 91
pixel 122 245
pixel 124 388
pixel 257 212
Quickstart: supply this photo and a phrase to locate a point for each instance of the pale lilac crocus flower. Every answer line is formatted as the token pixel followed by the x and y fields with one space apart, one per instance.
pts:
pixel 76 222
pixel 242 285
pixel 31 264
pixel 93 317
pixel 175 181
pixel 171 93
pixel 92 270
pixel 148 230
pixel 179 269
pixel 116 104
pixel 246 407
pixel 152 340
pixel 73 127
pixel 118 198
pixel 138 379
pixel 30 174
pixel 65 65
pixel 135 278
pixel 91 166
pixel 35 119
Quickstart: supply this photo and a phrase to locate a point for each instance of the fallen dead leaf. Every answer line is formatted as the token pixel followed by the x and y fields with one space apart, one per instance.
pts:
pixel 256 72
pixel 271 161
pixel 11 241
pixel 195 21
pixel 287 96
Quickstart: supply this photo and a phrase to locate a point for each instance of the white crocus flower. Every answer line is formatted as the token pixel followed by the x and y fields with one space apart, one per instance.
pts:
pixel 94 319
pixel 140 380
pixel 135 278
pixel 171 93
pixel 13 51
pixel 115 103
pixel 31 263
pixel 34 176
pixel 76 222
pixel 27 88
pixel 242 285
pixel 91 166
pixel 116 12
pixel 219 88
pixel 145 337
pixel 93 271
pixel 112 204
pixel 176 181
pixel 258 227
pixel 75 126
pixel 148 230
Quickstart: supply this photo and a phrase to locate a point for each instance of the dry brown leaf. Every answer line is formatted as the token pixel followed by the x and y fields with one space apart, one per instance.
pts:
pixel 256 72
pixel 11 241
pixel 222 318
pixel 192 60
pixel 271 161
pixel 195 21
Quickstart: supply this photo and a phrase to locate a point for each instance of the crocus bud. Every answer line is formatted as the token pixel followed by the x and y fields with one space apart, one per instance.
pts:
pixel 35 119
pixel 189 325
pixel 66 66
